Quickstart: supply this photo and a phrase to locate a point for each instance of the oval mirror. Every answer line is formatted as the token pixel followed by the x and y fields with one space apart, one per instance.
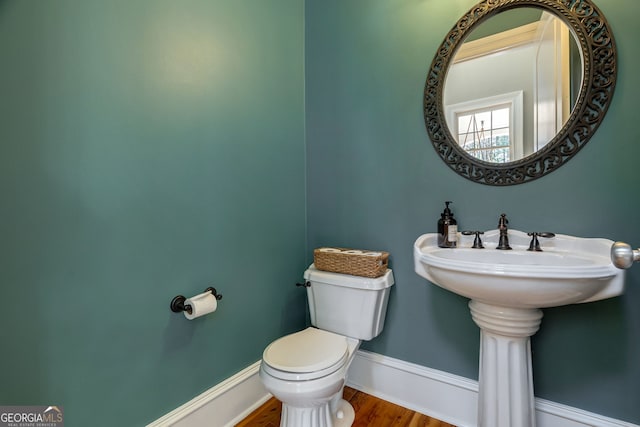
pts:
pixel 518 87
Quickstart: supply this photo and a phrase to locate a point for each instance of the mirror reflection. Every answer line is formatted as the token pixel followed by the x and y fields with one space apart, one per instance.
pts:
pixel 512 84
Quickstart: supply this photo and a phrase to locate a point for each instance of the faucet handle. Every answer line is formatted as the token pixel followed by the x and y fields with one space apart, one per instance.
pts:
pixel 477 243
pixel 535 244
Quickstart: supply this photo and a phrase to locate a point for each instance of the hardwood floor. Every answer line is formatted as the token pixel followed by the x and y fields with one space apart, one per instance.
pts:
pixel 370 412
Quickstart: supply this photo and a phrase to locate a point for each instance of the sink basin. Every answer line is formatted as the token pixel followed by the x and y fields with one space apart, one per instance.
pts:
pixel 569 270
pixel 507 289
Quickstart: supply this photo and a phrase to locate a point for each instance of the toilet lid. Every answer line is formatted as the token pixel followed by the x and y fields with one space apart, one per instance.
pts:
pixel 310 350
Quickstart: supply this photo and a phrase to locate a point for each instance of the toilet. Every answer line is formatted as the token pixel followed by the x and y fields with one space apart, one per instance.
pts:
pixel 307 370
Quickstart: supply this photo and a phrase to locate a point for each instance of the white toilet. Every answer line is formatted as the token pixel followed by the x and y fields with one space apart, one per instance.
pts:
pixel 307 370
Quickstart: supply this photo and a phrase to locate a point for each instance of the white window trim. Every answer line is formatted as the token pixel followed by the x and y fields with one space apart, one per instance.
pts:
pixel 516 121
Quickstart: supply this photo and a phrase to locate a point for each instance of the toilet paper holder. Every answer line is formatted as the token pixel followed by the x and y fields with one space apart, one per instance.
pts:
pixel 178 305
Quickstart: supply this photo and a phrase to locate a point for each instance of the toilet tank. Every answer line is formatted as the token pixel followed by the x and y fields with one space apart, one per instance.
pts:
pixel 349 305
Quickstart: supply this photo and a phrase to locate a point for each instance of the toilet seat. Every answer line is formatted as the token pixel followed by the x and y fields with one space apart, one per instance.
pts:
pixel 305 355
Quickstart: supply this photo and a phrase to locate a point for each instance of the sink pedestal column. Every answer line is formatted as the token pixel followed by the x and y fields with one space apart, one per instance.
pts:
pixel 506 379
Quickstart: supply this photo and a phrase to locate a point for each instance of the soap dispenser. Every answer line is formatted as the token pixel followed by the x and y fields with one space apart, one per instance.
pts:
pixel 447 228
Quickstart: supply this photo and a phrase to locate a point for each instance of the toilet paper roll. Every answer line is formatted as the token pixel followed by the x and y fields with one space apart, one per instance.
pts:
pixel 201 304
pixel 374 254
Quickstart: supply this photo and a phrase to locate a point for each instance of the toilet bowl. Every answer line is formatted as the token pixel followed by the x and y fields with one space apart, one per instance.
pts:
pixel 307 370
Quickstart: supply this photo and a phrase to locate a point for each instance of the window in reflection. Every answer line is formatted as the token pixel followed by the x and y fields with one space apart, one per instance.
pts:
pixel 489 129
pixel 486 133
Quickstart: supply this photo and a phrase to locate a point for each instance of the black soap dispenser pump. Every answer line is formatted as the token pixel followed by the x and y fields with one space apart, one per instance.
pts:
pixel 447 228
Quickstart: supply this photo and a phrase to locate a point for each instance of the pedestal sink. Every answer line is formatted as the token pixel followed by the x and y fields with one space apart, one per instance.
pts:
pixel 507 289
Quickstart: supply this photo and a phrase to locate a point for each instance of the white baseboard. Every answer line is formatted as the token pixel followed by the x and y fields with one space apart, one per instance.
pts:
pixel 448 397
pixel 223 405
pixel 438 394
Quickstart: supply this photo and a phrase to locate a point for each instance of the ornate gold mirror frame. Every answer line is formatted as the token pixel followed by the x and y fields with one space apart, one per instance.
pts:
pixel 597 44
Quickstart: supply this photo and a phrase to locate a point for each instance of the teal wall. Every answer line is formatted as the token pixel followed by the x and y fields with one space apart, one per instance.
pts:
pixel 151 147
pixel 148 148
pixel 375 181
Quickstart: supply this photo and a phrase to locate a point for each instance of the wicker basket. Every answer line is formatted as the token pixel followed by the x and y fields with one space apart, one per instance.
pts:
pixel 351 261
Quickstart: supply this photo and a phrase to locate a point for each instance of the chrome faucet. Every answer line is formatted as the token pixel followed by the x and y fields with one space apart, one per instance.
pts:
pixel 503 243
